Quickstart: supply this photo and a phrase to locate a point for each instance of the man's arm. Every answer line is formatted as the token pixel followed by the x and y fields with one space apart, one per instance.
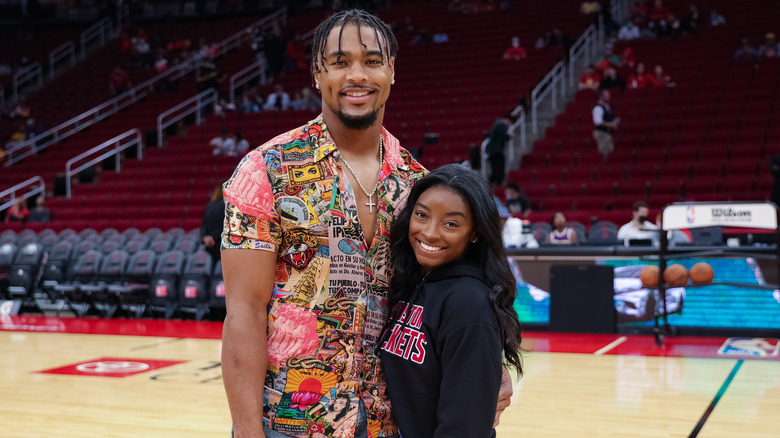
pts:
pixel 249 282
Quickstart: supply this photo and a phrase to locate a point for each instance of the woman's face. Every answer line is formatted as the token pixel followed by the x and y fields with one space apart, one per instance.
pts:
pixel 235 220
pixel 339 404
pixel 441 227
pixel 559 221
pixel 392 185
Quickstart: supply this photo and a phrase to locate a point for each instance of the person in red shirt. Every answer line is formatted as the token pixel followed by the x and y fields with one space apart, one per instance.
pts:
pixel 662 79
pixel 641 78
pixel 516 52
pixel 18 212
pixel 296 53
pixel 590 79
pixel 119 81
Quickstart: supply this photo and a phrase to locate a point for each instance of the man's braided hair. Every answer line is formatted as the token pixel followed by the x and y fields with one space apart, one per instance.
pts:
pixel 358 18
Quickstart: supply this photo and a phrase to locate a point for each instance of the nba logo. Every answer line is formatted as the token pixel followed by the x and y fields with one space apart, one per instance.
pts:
pixel 690 214
pixel 161 291
pixel 191 292
pixel 756 347
pixel 220 290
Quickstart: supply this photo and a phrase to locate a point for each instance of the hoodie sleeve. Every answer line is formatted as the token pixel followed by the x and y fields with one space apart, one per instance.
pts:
pixel 471 376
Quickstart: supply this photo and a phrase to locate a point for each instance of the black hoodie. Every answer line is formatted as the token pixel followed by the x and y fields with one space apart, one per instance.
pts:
pixel 442 359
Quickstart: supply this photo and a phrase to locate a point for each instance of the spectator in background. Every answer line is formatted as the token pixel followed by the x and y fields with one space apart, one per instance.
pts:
pixel 604 123
pixel 590 80
pixel 745 50
pixel 278 100
pixel 543 41
pixel 495 149
pixel 305 99
pixel 242 145
pixel 223 145
pixel 213 220
pixel 611 80
pixel 223 107
pixel 659 15
pixel 630 31
pixel 641 78
pixel 441 36
pixel 422 37
pixel 119 81
pixel 18 136
pixel 770 48
pixel 717 19
pixel 296 54
pixel 18 212
pixel 515 52
pixel 247 105
pixel 41 212
pixel 692 20
pixel 160 64
pixel 207 76
pixel 516 200
pixel 639 14
pixel 663 79
pixel 639 227
pixel 561 234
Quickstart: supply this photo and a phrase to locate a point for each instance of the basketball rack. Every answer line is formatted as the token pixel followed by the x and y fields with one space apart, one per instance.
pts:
pixel 686 215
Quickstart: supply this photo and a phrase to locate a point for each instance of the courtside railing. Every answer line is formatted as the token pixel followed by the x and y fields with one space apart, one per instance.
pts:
pixel 76 124
pixel 196 104
pixel 37 184
pixel 254 70
pixel 109 148
pixel 548 85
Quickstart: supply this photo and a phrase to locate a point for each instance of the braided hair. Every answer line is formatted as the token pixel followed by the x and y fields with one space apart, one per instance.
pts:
pixel 358 18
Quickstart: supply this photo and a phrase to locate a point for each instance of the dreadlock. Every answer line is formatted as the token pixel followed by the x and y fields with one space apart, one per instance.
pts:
pixel 359 18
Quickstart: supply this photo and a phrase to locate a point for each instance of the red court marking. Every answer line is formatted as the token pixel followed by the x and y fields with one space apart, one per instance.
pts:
pixel 112 367
pixel 126 327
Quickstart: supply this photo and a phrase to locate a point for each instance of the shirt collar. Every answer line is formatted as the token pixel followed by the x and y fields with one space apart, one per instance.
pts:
pixel 325 146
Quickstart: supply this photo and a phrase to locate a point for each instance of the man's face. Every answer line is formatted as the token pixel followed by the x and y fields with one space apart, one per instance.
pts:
pixel 357 81
pixel 642 211
pixel 606 96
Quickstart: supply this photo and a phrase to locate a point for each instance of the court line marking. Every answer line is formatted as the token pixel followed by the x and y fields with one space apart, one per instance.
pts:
pixel 610 346
pixel 715 400
pixel 157 344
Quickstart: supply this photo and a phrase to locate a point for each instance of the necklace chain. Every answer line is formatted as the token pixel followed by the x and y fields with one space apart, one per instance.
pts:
pixel 381 156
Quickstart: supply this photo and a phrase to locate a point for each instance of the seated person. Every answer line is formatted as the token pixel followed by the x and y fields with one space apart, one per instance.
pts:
pixel 223 145
pixel 642 78
pixel 561 234
pixel 516 201
pixel 278 100
pixel 639 228
pixel 18 212
pixel 41 212
pixel 515 52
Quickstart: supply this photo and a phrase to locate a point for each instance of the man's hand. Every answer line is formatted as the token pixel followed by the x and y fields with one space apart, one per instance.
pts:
pixel 504 394
pixel 208 241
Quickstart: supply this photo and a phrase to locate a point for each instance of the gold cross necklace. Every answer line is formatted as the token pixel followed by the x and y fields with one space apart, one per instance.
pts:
pixel 370 204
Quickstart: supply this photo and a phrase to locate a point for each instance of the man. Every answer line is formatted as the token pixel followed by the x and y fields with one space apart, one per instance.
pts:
pixel 306 252
pixel 497 140
pixel 278 100
pixel 639 227
pixel 516 201
pixel 604 122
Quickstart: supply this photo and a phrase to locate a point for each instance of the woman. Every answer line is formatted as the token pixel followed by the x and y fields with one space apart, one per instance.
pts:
pixel 561 234
pixel 18 212
pixel 451 309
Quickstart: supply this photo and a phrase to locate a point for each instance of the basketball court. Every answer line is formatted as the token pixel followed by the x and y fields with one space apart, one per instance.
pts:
pixel 68 377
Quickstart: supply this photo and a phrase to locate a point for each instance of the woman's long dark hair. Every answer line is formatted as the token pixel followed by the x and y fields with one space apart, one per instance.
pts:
pixel 488 253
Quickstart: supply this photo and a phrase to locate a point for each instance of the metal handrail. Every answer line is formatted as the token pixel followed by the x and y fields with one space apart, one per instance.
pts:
pixel 76 124
pixel 12 191
pixel 67 50
pixel 545 87
pixel 245 75
pixel 122 18
pixel 115 145
pixel 23 75
pixel 194 104
pixel 583 46
pixel 103 29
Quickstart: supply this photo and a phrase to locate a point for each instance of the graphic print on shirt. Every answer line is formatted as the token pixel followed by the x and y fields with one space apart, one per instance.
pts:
pixel 405 339
pixel 330 286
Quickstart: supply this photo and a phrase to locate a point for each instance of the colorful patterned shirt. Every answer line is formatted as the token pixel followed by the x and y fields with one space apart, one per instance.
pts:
pixel 328 306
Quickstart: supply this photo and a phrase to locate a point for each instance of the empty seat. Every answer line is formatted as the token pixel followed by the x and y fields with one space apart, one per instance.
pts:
pixel 134 292
pixel 85 269
pixel 112 272
pixel 165 282
pixel 194 284
pixel 217 294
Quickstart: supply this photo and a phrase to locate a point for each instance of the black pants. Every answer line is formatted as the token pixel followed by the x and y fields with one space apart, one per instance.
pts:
pixel 497 165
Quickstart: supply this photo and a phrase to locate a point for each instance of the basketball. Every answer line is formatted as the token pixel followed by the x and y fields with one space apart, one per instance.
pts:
pixel 676 275
pixel 701 273
pixel 649 276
